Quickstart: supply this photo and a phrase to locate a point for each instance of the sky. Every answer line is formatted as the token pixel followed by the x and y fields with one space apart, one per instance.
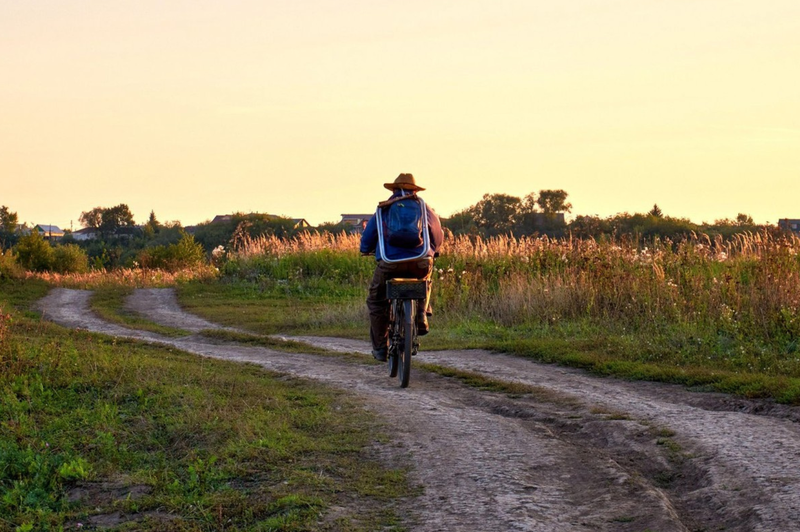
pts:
pixel 305 109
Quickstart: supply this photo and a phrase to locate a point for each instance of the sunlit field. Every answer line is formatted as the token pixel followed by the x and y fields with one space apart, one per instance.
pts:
pixel 125 277
pixel 678 310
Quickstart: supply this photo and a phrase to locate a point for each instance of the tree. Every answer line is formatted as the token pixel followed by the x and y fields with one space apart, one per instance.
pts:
pixel 529 218
pixel 8 220
pixel 92 218
pixel 744 219
pixel 553 201
pixel 108 220
pixel 656 211
pixel 152 226
pixel 497 213
pixel 35 253
pixel 115 217
pixel 461 223
pixel 589 226
pixel 8 226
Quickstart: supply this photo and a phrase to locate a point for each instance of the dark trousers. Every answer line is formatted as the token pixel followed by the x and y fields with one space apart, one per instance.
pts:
pixel 378 305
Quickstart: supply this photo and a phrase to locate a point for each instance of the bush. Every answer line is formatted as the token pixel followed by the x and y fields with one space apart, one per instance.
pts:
pixel 70 258
pixel 186 253
pixel 34 253
pixel 9 269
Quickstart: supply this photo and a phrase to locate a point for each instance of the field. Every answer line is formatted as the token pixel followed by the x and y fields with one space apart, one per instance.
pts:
pixel 708 313
pixel 94 428
pixel 213 445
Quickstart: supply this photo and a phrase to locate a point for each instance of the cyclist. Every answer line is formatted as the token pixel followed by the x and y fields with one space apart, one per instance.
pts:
pixel 409 262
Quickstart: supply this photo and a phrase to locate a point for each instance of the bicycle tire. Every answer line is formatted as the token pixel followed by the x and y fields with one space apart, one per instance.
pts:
pixel 404 356
pixel 394 316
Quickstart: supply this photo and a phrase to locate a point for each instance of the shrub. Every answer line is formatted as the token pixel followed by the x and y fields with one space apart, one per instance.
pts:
pixel 9 269
pixel 186 253
pixel 34 253
pixel 70 258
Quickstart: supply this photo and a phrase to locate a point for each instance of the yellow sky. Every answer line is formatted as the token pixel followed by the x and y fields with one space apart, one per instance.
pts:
pixel 196 108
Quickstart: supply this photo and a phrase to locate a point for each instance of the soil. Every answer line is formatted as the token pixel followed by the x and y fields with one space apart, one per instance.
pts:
pixel 581 453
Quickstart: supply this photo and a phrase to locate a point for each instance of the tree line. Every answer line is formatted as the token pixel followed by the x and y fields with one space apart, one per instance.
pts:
pixel 119 241
pixel 542 213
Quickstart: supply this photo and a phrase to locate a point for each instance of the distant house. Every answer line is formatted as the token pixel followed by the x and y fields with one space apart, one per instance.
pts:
pixel 218 219
pixel 301 223
pixel 789 224
pixel 355 222
pixel 87 233
pixel 49 232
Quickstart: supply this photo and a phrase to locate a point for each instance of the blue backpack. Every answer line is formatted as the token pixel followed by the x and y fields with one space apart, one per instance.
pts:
pixel 403 224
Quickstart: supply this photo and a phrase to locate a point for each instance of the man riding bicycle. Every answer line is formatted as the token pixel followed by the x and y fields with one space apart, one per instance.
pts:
pixel 397 256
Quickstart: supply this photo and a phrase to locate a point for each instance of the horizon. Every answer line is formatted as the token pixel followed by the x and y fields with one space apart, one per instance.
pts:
pixel 140 221
pixel 306 109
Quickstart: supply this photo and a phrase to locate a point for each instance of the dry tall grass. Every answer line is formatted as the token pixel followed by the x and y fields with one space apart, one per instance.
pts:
pixel 735 290
pixel 245 246
pixel 131 277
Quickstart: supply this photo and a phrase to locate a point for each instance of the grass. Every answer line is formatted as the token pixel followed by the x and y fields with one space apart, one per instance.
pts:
pixel 290 346
pixel 275 309
pixel 108 302
pixel 206 444
pixel 712 314
pixel 580 345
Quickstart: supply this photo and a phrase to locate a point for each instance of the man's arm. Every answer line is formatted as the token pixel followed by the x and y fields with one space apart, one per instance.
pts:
pixel 435 229
pixel 369 238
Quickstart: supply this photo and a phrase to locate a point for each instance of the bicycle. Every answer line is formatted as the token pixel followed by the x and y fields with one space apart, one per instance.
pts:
pixel 404 295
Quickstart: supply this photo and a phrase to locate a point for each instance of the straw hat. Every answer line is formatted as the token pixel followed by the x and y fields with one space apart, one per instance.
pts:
pixel 405 182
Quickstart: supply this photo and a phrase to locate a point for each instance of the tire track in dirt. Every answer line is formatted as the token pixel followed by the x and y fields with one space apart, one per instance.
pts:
pixel 585 454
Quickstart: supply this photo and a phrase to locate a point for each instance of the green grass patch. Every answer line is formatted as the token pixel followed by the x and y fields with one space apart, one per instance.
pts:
pixel 686 354
pixel 21 296
pixel 108 302
pixel 289 346
pixel 206 444
pixel 251 306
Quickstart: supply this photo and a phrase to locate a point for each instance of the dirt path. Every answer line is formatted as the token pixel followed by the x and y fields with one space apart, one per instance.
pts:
pixel 584 453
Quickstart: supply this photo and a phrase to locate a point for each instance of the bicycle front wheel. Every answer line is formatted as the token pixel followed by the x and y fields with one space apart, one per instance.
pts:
pixel 409 332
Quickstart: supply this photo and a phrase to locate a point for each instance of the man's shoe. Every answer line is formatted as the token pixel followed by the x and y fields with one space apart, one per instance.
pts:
pixel 422 325
pixel 379 354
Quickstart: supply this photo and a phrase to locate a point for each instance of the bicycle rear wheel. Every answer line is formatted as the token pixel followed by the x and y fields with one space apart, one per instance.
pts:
pixel 409 331
pixel 395 321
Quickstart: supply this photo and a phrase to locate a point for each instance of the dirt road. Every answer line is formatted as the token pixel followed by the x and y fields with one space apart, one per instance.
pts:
pixel 583 453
